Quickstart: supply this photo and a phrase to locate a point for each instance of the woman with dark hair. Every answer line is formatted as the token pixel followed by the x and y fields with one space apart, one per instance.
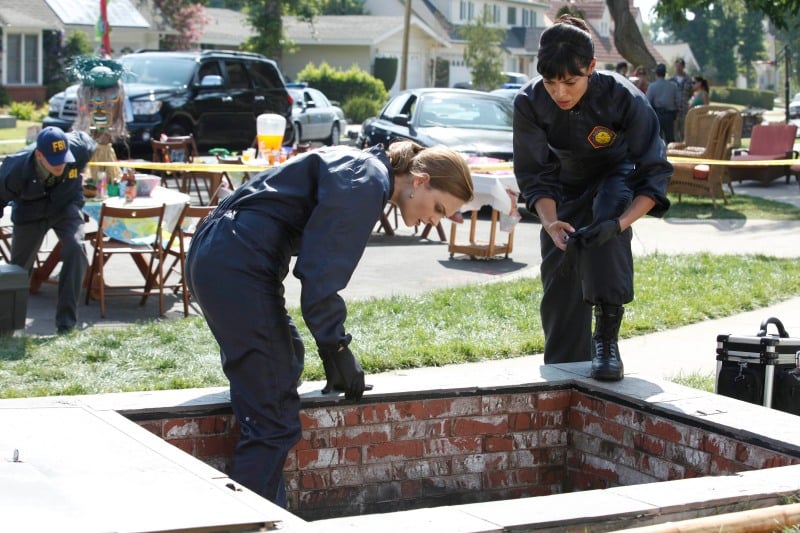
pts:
pixel 590 162
pixel 321 207
pixel 700 92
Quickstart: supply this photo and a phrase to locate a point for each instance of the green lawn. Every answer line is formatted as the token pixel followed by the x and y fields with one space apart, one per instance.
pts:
pixel 488 321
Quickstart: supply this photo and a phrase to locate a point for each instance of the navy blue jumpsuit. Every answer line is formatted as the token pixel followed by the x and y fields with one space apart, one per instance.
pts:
pixel 320 206
pixel 42 202
pixel 592 160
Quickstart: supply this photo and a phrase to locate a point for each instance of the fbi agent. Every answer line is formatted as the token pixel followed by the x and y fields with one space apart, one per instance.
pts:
pixel 43 182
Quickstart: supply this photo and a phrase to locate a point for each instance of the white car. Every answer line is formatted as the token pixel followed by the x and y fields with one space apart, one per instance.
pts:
pixel 794 107
pixel 314 117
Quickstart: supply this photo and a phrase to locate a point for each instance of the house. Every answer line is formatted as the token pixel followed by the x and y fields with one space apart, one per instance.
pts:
pixel 30 30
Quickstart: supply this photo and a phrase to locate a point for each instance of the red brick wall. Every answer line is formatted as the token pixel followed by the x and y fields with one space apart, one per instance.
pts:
pixel 393 455
pixel 27 93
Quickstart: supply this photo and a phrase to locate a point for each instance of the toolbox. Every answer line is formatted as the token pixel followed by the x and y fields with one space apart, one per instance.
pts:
pixel 762 369
pixel 14 286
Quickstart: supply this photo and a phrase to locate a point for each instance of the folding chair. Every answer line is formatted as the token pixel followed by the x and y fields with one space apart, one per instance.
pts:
pixel 143 249
pixel 177 246
pixel 176 150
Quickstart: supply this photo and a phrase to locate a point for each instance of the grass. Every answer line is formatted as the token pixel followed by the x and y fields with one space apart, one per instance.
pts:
pixel 493 321
pixel 15 134
pixel 739 206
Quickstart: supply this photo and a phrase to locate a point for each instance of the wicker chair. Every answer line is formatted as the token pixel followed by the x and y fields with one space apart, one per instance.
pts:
pixel 701 179
pixel 699 121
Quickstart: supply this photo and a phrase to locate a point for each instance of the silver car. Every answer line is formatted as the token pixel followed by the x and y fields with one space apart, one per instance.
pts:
pixel 314 117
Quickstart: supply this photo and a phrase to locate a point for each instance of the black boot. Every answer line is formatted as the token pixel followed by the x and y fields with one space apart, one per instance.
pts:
pixel 606 362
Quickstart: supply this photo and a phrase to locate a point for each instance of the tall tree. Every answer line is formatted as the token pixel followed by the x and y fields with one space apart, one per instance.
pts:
pixel 627 38
pixel 751 43
pixel 265 18
pixel 482 54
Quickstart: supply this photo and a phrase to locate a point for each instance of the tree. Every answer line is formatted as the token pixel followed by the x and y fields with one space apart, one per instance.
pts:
pixel 751 43
pixel 482 53
pixel 781 13
pixel 185 16
pixel 627 38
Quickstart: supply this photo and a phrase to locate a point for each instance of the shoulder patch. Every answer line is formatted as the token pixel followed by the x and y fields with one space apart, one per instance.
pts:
pixel 601 137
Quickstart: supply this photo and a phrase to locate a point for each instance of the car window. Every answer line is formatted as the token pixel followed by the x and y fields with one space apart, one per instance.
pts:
pixel 237 75
pixel 479 113
pixel 209 68
pixel 266 76
pixel 319 98
pixel 398 106
pixel 169 71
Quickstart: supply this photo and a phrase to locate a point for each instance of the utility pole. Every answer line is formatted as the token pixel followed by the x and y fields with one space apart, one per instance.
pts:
pixel 404 59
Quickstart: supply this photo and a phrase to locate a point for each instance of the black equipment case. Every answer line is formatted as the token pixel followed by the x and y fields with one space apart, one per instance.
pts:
pixel 762 369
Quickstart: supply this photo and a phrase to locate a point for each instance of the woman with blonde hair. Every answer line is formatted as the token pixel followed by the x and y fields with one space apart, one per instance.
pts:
pixel 321 207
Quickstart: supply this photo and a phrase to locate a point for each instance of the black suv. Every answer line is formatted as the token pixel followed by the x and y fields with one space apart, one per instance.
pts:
pixel 215 95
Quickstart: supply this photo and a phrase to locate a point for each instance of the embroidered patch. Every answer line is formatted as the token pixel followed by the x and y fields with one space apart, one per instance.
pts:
pixel 601 137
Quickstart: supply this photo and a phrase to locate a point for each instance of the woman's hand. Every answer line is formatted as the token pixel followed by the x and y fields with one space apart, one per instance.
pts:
pixel 559 231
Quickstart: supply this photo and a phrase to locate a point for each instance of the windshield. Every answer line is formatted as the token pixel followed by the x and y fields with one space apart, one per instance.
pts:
pixel 164 71
pixel 464 112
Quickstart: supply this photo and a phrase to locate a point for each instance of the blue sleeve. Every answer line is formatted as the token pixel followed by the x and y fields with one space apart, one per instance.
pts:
pixel 350 199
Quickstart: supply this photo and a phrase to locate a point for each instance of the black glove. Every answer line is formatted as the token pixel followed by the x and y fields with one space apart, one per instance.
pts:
pixel 598 233
pixel 343 373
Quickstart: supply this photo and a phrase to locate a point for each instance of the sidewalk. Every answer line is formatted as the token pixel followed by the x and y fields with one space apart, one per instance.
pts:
pixel 406 265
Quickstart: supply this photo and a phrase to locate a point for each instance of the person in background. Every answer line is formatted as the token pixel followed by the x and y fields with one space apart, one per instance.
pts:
pixel 622 68
pixel 684 83
pixel 44 184
pixel 589 162
pixel 700 92
pixel 321 207
pixel 639 78
pixel 664 96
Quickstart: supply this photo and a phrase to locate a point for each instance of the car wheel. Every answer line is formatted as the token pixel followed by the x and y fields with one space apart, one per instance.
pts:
pixel 335 135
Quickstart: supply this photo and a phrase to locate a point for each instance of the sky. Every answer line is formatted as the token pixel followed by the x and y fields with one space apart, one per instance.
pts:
pixel 645 6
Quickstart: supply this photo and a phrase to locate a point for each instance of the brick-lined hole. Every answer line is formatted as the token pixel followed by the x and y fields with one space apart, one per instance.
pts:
pixel 393 455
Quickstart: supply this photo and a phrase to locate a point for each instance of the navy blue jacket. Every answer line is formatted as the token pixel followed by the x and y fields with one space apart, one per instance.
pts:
pixel 560 153
pixel 19 182
pixel 326 203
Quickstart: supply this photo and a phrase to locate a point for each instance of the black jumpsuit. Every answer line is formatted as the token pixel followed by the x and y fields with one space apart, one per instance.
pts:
pixel 592 160
pixel 320 206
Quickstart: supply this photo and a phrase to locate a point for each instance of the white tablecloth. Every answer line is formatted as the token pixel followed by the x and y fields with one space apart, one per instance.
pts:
pixel 491 189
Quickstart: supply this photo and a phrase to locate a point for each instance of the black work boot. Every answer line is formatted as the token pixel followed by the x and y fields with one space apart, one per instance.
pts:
pixel 606 362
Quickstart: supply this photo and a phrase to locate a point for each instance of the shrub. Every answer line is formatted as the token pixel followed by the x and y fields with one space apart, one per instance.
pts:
pixel 745 97
pixel 345 85
pixel 359 108
pixel 4 98
pixel 22 110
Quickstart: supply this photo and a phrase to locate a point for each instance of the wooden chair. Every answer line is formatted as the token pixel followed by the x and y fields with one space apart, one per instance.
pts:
pixel 175 150
pixel 769 141
pixel 697 129
pixel 706 180
pixel 147 256
pixel 178 245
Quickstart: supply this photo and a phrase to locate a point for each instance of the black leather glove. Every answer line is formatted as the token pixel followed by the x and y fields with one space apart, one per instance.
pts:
pixel 598 233
pixel 343 372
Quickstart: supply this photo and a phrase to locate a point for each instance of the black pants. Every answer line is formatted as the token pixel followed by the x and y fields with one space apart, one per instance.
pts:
pixel 666 121
pixel 235 270
pixel 69 228
pixel 572 285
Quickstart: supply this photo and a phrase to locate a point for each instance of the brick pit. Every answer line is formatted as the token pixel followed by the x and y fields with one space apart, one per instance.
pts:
pixel 406 450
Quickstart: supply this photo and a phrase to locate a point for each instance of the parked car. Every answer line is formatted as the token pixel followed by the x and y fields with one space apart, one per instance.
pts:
pixel 506 93
pixel 474 123
pixel 794 107
pixel 314 117
pixel 214 95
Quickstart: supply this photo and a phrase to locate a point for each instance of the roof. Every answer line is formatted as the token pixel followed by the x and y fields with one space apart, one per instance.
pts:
pixel 339 29
pixel 121 13
pixel 27 14
pixel 226 27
